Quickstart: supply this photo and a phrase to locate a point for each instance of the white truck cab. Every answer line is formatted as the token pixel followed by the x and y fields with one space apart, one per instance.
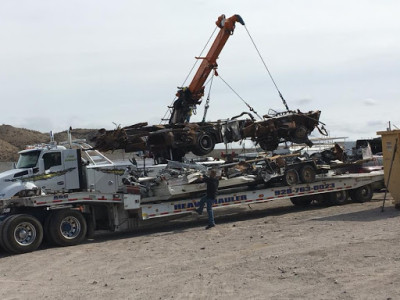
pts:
pixel 69 167
pixel 47 168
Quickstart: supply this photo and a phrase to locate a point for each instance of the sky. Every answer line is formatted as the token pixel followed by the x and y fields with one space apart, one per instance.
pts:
pixel 99 64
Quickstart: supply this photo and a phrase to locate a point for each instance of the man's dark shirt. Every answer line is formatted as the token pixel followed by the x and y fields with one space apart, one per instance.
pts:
pixel 212 186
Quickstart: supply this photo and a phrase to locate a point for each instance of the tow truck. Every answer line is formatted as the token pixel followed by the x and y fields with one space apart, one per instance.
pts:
pixel 64 193
pixel 105 199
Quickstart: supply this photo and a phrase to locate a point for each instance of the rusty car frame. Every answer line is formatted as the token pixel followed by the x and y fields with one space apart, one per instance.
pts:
pixel 173 141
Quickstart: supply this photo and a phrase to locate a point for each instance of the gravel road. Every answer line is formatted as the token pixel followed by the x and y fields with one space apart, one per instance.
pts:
pixel 267 251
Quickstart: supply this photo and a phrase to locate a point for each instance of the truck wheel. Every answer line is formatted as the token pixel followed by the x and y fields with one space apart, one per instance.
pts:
pixel 362 194
pixel 67 227
pixel 204 144
pixel 301 201
pixel 291 177
pixel 90 228
pixel 319 199
pixel 338 198
pixel 22 233
pixel 307 174
pixel 46 229
pixel 300 133
pixel 3 245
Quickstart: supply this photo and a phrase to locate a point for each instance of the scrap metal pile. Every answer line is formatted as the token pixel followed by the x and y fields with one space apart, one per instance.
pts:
pixel 178 180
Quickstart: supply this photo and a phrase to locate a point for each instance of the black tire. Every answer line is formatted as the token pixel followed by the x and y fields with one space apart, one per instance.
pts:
pixel 307 174
pixel 91 228
pixel 67 228
pixel 362 194
pixel 22 233
pixel 46 229
pixel 338 198
pixel 301 201
pixel 319 199
pixel 205 143
pixel 3 245
pixel 300 134
pixel 291 177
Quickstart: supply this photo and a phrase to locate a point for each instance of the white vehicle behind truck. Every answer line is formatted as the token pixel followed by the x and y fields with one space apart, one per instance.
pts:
pixel 100 197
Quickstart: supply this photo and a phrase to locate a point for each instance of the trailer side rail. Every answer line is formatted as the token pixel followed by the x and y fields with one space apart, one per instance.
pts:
pixel 173 207
pixel 328 184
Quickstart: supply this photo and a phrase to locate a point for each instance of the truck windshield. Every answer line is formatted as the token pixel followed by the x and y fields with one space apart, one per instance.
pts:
pixel 28 159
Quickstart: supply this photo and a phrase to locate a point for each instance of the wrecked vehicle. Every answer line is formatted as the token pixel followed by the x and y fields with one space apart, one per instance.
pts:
pixel 173 141
pixel 180 136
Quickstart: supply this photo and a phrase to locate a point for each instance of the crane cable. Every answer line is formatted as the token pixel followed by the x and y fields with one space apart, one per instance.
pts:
pixel 265 65
pixel 248 105
pixel 207 105
pixel 191 70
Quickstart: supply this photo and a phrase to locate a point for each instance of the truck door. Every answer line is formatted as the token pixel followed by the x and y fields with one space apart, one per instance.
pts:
pixel 72 164
pixel 53 178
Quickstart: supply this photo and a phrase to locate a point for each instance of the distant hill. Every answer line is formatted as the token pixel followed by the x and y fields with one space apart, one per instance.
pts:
pixel 13 139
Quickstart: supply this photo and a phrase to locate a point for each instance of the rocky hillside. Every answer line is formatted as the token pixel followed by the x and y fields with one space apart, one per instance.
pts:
pixel 14 139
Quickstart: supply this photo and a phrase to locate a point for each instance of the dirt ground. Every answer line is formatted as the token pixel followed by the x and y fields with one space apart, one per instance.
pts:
pixel 266 251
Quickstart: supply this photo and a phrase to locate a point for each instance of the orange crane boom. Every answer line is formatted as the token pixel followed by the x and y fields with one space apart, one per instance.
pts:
pixel 190 96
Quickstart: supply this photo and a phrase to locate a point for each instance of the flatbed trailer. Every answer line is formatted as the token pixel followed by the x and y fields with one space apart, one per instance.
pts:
pixel 66 219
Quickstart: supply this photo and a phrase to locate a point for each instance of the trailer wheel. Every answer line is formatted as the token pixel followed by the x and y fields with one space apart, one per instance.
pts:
pixel 301 201
pixel 362 194
pixel 291 177
pixel 338 198
pixel 21 233
pixel 67 227
pixel 307 174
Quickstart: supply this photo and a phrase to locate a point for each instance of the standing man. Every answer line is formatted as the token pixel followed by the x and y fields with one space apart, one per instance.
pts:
pixel 212 187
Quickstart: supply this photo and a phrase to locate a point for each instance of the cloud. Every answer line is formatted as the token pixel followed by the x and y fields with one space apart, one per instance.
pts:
pixel 38 123
pixel 369 102
pixel 94 66
pixel 376 123
pixel 303 101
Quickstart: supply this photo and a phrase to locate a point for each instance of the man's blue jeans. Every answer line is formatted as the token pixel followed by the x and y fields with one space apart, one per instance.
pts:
pixel 210 213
